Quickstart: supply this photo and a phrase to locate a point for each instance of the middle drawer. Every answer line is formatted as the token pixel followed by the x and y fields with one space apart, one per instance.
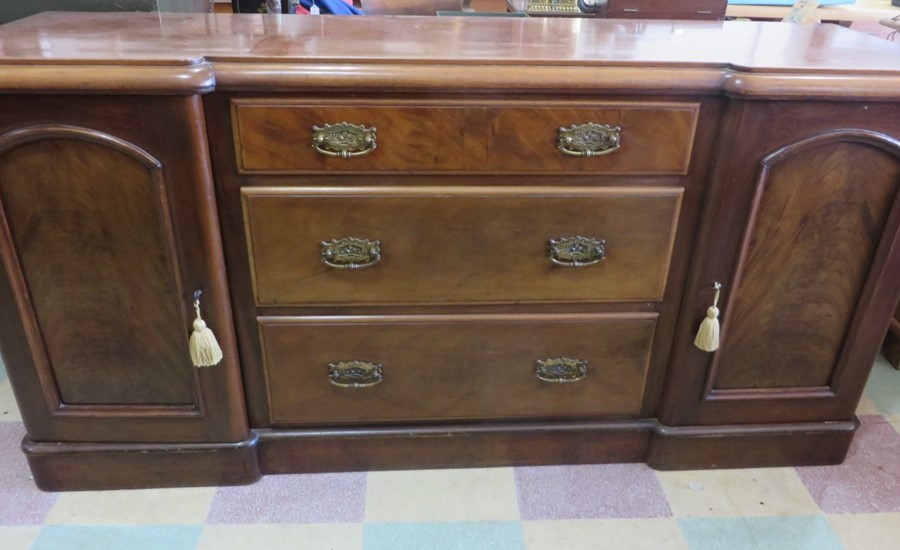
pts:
pixel 459 245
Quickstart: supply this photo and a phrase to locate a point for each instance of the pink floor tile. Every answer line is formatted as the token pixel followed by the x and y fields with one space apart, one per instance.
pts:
pixel 21 503
pixel 308 498
pixel 868 481
pixel 588 492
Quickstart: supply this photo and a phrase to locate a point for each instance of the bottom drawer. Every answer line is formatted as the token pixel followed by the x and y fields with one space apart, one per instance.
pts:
pixel 454 367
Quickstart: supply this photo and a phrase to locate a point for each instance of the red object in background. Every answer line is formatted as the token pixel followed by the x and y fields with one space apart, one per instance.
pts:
pixel 303 11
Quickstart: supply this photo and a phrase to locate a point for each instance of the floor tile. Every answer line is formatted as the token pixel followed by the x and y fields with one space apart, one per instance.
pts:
pixel 895 421
pixel 17 538
pixel 760 533
pixel 867 406
pixel 590 492
pixel 78 537
pixel 21 503
pixel 337 536
pixel 9 412
pixel 442 495
pixel 867 531
pixel 443 536
pixel 868 481
pixel 140 507
pixel 749 492
pixel 584 534
pixel 307 498
pixel 884 387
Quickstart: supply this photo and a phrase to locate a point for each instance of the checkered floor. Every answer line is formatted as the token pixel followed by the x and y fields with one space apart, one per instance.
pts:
pixel 855 505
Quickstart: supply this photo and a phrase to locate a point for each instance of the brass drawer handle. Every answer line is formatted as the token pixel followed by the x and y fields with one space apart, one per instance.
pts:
pixel 589 140
pixel 343 140
pixel 560 370
pixel 577 251
pixel 354 374
pixel 351 253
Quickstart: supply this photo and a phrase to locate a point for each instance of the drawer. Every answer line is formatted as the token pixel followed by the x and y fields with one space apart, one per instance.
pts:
pixel 454 367
pixel 666 9
pixel 458 244
pixel 277 137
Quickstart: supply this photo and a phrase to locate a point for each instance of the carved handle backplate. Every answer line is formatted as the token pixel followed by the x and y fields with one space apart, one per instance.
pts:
pixel 589 140
pixel 354 374
pixel 560 370
pixel 577 251
pixel 351 253
pixel 344 140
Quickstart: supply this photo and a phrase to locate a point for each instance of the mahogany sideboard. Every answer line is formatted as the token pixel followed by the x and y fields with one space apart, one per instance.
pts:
pixel 440 242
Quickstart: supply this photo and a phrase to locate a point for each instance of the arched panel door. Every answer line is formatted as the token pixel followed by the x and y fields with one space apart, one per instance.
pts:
pixel 821 210
pixel 802 229
pixel 103 245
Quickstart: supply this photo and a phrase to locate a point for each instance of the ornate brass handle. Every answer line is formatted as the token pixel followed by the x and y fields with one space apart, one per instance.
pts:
pixel 577 251
pixel 343 140
pixel 560 370
pixel 351 253
pixel 354 374
pixel 589 140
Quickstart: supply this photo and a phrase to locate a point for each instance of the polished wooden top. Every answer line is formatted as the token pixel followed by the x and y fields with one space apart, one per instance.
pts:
pixel 244 51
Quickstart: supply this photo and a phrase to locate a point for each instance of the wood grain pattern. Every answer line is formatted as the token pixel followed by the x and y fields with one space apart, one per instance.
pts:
pixel 274 136
pixel 444 368
pixel 93 236
pixel 808 250
pixel 459 245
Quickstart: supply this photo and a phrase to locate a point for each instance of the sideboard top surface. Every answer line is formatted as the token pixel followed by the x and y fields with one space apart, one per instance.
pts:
pixel 216 49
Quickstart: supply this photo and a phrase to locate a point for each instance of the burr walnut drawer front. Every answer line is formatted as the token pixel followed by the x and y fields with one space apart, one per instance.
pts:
pixel 429 245
pixel 377 369
pixel 597 137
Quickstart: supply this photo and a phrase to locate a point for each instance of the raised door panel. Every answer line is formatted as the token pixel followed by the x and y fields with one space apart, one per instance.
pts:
pixel 819 210
pixel 93 236
pixel 107 227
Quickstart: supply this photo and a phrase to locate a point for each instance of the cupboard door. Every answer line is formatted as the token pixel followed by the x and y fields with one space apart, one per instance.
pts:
pixel 809 265
pixel 107 230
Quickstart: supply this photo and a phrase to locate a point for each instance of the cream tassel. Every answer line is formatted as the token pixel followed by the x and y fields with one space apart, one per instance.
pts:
pixel 205 350
pixel 708 336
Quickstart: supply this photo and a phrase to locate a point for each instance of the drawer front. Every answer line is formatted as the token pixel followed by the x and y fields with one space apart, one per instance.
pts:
pixel 454 367
pixel 666 9
pixel 459 245
pixel 271 137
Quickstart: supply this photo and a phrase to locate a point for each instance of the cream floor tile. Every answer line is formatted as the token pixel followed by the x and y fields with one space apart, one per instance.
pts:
pixel 17 538
pixel 348 536
pixel 867 406
pixel 591 534
pixel 895 420
pixel 867 531
pixel 9 412
pixel 140 507
pixel 751 492
pixel 442 495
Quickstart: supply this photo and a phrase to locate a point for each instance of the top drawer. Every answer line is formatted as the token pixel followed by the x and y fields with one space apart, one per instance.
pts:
pixel 274 136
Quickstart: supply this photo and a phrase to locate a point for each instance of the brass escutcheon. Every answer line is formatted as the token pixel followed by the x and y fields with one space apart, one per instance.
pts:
pixel 589 140
pixel 343 140
pixel 576 251
pixel 560 370
pixel 354 374
pixel 351 253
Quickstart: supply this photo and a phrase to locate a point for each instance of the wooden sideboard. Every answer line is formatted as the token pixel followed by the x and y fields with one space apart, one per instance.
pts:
pixel 408 231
